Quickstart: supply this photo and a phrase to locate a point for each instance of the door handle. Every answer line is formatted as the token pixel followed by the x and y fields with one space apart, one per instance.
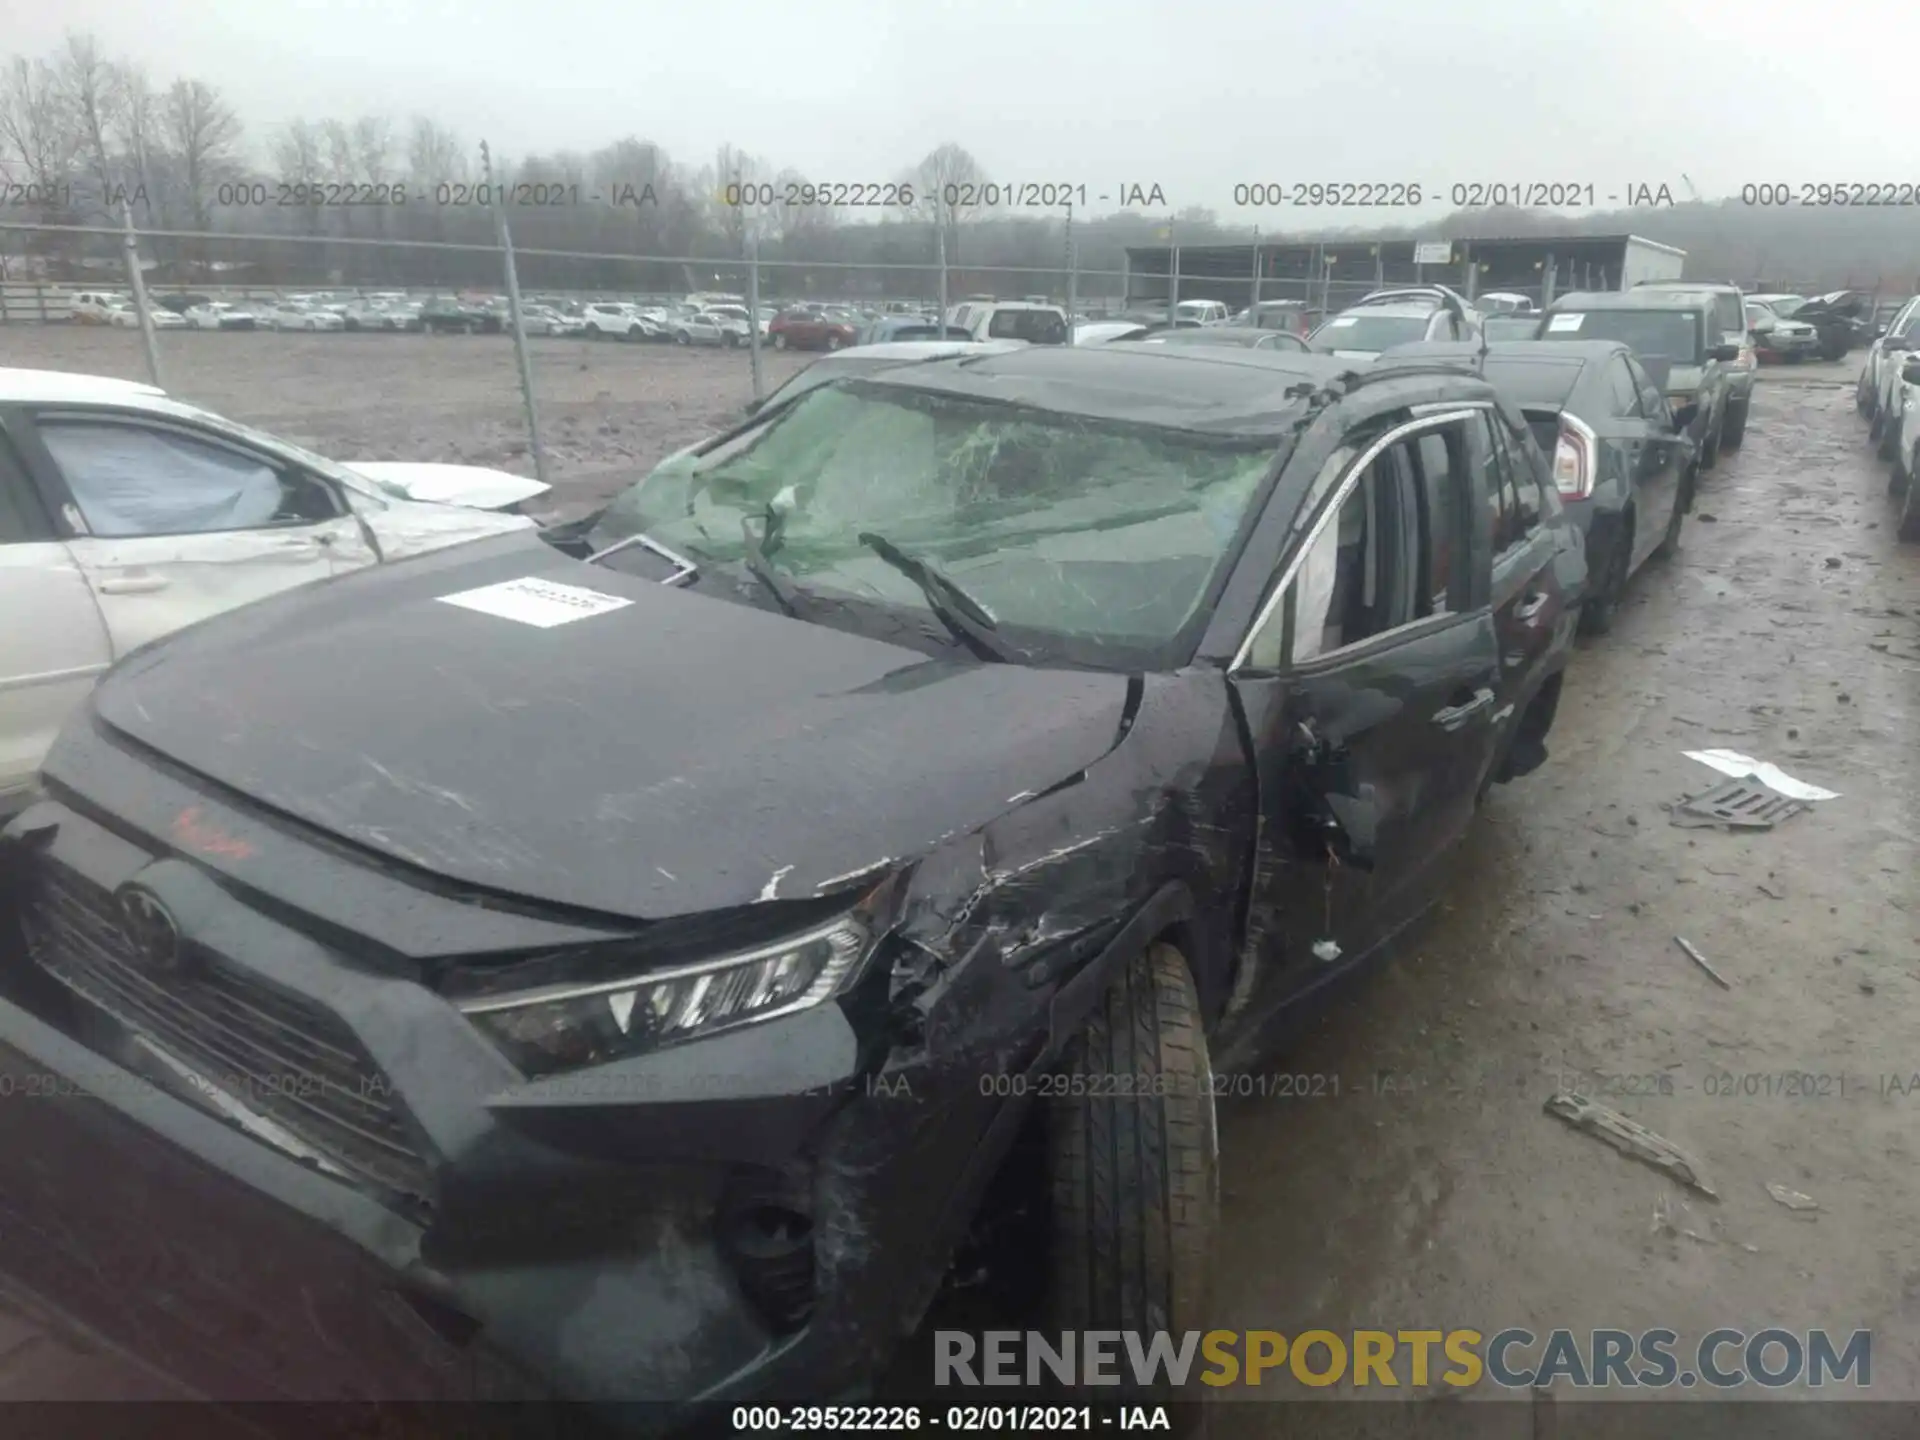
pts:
pixel 1454 716
pixel 134 585
pixel 1532 606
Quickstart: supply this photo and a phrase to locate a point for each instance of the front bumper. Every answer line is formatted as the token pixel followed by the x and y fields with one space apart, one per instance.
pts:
pixel 585 1237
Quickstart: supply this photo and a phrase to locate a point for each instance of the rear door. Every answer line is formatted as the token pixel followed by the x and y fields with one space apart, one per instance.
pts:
pixel 1649 451
pixel 1529 607
pixel 1668 453
pixel 1368 685
pixel 170 523
pixel 53 642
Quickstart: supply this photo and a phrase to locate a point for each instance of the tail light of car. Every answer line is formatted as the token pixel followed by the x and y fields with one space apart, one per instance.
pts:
pixel 1575 458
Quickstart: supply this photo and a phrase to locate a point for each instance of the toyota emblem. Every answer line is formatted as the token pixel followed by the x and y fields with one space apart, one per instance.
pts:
pixel 151 932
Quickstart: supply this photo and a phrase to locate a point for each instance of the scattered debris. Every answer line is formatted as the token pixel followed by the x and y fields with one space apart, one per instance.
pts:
pixel 1745 767
pixel 1833 562
pixel 1866 987
pixel 1701 960
pixel 1793 732
pixel 1844 698
pixel 1696 1235
pixel 1792 1199
pixel 1771 893
pixel 1734 805
pixel 1630 1138
pixel 1662 1215
pixel 1707 517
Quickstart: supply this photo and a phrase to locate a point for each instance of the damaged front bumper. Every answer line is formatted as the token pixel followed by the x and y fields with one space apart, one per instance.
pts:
pixel 327 1183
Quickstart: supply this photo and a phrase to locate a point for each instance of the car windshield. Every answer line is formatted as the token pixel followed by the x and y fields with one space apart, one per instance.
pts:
pixel 1041 327
pixel 1786 305
pixel 1368 332
pixel 1674 334
pixel 1084 537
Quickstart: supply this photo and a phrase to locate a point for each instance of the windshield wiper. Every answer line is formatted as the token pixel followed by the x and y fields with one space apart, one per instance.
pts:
pixel 970 621
pixel 754 555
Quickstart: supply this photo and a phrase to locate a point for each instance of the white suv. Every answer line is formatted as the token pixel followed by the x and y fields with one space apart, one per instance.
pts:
pixel 616 320
pixel 1388 318
pixel 96 307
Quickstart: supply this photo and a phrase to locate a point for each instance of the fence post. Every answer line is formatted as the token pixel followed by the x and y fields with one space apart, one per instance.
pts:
pixel 1173 276
pixel 139 284
pixel 519 327
pixel 940 257
pixel 1073 274
pixel 1253 301
pixel 753 308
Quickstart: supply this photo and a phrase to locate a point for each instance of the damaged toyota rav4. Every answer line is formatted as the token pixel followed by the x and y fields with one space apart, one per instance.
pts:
pixel 650 954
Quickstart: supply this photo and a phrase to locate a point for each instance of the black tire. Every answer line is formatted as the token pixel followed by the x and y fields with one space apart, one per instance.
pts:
pixel 681 337
pixel 1602 607
pixel 730 340
pixel 1910 516
pixel 1889 438
pixel 1879 425
pixel 1135 1176
pixel 635 334
pixel 1710 447
pixel 1735 429
pixel 1682 502
pixel 834 342
pixel 1900 476
pixel 780 340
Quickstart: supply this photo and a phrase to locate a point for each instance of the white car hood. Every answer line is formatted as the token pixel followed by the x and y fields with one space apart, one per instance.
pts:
pixel 406 529
pixel 474 486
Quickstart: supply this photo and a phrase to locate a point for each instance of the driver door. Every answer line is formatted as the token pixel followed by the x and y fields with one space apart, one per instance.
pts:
pixel 170 524
pixel 1370 689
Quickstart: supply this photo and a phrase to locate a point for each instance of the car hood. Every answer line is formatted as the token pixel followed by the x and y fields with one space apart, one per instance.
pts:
pixel 405 528
pixel 475 486
pixel 1842 304
pixel 672 754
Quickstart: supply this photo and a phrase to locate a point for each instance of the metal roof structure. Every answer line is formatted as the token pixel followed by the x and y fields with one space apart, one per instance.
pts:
pixel 1512 262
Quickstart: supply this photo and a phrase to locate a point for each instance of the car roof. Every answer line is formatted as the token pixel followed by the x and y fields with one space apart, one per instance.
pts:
pixel 1529 371
pixel 927 349
pixel 28 386
pixel 1395 309
pixel 1225 335
pixel 1685 285
pixel 1630 300
pixel 1204 388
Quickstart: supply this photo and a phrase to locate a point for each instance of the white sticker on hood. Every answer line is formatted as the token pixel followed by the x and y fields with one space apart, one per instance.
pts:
pixel 532 601
pixel 1337 322
pixel 1567 322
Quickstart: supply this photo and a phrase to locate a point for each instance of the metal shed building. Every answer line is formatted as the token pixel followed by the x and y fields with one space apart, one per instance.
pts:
pixel 1328 273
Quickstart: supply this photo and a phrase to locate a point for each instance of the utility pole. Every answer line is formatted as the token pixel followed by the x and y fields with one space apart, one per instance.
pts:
pixel 139 284
pixel 1073 275
pixel 753 303
pixel 513 314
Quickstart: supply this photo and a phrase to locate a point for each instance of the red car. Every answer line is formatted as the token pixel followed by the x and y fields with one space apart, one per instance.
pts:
pixel 810 330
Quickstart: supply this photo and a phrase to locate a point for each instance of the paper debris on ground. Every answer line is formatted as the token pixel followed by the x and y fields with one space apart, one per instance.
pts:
pixel 1742 767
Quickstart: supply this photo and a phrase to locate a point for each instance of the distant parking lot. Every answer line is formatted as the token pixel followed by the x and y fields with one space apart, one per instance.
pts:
pixel 608 411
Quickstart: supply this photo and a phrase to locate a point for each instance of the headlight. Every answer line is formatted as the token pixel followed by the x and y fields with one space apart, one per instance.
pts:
pixel 568 1026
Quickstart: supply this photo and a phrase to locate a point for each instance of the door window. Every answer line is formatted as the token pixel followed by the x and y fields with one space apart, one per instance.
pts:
pixel 133 480
pixel 1621 387
pixel 1390 555
pixel 19 509
pixel 1524 503
pixel 1653 402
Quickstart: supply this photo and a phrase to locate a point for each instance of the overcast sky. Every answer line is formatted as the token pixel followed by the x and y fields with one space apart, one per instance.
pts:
pixel 1195 96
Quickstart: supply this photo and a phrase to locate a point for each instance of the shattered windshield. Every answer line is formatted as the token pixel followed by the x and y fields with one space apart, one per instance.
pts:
pixel 1091 533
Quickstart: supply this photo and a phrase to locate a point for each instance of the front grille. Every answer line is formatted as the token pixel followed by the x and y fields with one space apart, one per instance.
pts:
pixel 275 1052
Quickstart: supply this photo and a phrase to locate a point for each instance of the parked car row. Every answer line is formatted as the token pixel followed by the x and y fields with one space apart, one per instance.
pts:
pixel 1088 710
pixel 1888 395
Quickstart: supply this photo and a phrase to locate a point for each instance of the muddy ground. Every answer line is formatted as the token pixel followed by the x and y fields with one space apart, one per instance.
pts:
pixel 1424 1187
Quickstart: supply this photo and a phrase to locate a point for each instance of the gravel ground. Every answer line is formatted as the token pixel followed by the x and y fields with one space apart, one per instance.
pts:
pixel 1425 1187
pixel 608 411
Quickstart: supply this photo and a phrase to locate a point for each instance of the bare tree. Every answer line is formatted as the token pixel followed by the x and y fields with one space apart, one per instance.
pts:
pixel 138 137
pixel 434 154
pixel 204 134
pixel 91 85
pixel 300 156
pixel 372 148
pixel 38 139
pixel 946 184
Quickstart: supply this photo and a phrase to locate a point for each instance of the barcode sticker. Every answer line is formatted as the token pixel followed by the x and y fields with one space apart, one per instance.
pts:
pixel 532 601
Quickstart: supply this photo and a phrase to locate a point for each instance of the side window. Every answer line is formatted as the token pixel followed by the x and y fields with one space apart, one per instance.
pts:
pixel 19 507
pixel 1523 485
pixel 1445 503
pixel 1490 462
pixel 1732 321
pixel 1622 387
pixel 1365 574
pixel 1653 403
pixel 132 480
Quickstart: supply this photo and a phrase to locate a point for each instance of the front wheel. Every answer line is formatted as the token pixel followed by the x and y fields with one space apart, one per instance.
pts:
pixel 1682 502
pixel 1134 1169
pixel 1910 510
pixel 780 340
pixel 834 342
pixel 1889 438
pixel 1710 447
pixel 683 338
pixel 1735 429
